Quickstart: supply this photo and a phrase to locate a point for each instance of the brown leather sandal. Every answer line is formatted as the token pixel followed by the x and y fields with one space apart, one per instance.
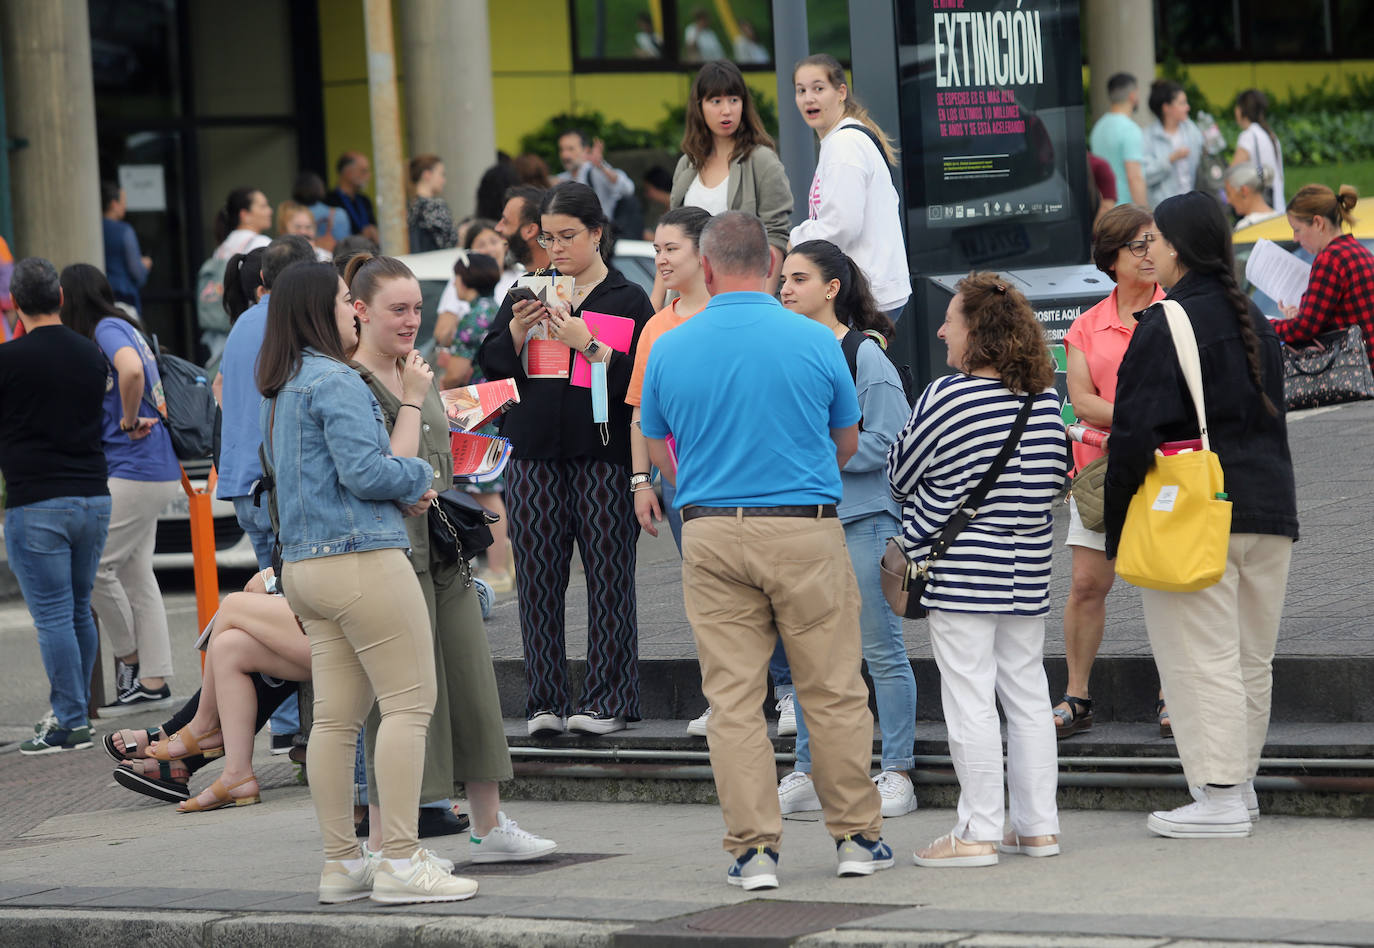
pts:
pixel 223 797
pixel 189 742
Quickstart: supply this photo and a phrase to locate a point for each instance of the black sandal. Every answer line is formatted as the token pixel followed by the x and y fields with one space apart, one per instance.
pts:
pixel 1078 716
pixel 163 787
pixel 1166 727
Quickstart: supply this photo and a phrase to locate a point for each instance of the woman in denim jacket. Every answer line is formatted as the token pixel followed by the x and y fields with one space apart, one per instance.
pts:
pixel 341 497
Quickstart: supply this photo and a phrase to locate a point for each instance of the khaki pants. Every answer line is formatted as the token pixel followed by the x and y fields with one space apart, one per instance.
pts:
pixel 126 596
pixel 746 581
pixel 1215 652
pixel 369 633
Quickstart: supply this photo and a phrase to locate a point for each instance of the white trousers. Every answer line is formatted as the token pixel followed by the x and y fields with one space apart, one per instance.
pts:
pixel 126 596
pixel 983 657
pixel 1215 652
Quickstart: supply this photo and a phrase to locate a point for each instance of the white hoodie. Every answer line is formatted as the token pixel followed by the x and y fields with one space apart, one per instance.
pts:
pixel 853 205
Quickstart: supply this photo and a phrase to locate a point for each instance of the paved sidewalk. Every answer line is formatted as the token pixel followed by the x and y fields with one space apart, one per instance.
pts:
pixel 246 876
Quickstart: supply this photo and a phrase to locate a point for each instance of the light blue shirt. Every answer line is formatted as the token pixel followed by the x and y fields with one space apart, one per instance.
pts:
pixel 885 413
pixel 240 435
pixel 750 392
pixel 1117 139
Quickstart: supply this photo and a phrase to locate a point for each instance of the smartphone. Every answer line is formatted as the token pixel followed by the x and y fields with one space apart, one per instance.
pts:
pixel 518 293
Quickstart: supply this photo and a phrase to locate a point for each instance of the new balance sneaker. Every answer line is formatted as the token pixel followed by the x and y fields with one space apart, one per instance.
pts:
pixel 594 722
pixel 787 715
pixel 697 727
pixel 338 883
pixel 1219 814
pixel 54 740
pixel 756 869
pixel 797 793
pixel 899 796
pixel 138 698
pixel 507 842
pixel 440 863
pixel 544 724
pixel 860 856
pixel 418 879
pixel 1247 795
pixel 280 744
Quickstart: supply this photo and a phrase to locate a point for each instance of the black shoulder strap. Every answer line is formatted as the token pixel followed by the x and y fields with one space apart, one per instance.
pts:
pixel 871 137
pixel 850 344
pixel 969 508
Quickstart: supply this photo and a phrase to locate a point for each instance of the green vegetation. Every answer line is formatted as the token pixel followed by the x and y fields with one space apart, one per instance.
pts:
pixel 1360 174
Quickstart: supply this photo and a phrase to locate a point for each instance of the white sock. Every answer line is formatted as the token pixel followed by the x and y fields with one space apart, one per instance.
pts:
pixel 352 865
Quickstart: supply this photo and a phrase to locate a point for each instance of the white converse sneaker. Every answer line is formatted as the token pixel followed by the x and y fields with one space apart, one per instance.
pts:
pixel 787 715
pixel 507 842
pixel 1220 813
pixel 697 727
pixel 797 793
pixel 544 724
pixel 340 884
pixel 421 881
pixel 1247 794
pixel 899 796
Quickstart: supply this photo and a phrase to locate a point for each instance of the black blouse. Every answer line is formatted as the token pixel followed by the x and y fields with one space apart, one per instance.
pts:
pixel 554 417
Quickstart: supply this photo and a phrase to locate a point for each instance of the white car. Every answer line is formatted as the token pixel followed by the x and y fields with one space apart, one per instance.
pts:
pixel 233 549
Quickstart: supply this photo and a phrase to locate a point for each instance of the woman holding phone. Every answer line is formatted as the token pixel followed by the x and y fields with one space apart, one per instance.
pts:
pixel 568 479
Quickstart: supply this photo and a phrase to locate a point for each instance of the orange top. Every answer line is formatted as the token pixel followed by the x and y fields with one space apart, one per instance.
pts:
pixel 662 321
pixel 1099 334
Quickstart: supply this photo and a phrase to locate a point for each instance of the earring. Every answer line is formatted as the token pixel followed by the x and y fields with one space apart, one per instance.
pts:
pixel 828 295
pixel 1173 253
pixel 596 247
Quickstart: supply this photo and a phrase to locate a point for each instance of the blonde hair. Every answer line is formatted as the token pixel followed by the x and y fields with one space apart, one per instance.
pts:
pixel 288 209
pixel 834 74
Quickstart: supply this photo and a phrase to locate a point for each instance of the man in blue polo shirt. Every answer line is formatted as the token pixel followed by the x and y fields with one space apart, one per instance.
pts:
pixel 763 411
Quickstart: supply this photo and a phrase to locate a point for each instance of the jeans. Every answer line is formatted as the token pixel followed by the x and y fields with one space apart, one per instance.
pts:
pixel 673 515
pixel 257 524
pixel 884 650
pixel 54 548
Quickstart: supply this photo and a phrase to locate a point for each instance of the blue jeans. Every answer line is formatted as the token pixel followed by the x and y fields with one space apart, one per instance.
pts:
pixel 257 523
pixel 894 683
pixel 54 548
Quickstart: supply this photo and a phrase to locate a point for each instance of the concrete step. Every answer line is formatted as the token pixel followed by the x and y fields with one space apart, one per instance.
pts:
pixel 1321 689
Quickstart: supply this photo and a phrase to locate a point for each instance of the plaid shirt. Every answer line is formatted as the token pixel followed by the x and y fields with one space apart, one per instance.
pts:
pixel 1340 293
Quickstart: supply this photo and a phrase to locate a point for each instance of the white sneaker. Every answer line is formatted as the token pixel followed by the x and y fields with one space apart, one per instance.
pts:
pixel 507 842
pixel 899 796
pixel 421 881
pixel 797 793
pixel 1220 813
pixel 697 727
pixel 787 716
pixel 1247 795
pixel 338 884
pixel 594 722
pixel 442 864
pixel 544 724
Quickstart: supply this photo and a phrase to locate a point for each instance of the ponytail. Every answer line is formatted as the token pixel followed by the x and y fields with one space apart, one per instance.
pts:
pixel 365 273
pixel 242 278
pixel 854 303
pixel 1317 200
pixel 227 219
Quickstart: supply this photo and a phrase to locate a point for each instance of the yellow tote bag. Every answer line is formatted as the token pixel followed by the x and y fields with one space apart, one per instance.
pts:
pixel 1178 525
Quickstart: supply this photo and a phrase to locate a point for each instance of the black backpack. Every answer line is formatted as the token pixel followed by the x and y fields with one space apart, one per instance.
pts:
pixel 192 414
pixel 850 344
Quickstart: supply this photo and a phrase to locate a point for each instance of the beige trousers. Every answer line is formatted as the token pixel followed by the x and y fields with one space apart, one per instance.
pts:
pixel 126 596
pixel 369 634
pixel 746 581
pixel 1215 653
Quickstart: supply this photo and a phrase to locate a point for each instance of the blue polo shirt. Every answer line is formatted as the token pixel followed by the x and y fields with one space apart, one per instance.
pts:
pixel 240 436
pixel 750 391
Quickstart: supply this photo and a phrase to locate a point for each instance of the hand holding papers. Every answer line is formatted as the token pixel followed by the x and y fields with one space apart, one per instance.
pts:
pixel 1277 273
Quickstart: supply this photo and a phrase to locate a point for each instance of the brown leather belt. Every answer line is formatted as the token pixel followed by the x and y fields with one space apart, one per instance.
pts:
pixel 814 511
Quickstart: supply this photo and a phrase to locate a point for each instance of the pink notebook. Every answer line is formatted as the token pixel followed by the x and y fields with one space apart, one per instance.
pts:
pixel 614 331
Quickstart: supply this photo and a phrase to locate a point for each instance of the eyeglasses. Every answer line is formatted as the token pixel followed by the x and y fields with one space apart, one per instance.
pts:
pixel 558 240
pixel 1139 248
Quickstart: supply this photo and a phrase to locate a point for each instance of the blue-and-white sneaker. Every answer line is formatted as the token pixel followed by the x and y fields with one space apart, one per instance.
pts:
pixel 862 857
pixel 756 869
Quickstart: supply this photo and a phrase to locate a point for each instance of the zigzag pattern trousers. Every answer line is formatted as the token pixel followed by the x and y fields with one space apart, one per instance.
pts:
pixel 551 504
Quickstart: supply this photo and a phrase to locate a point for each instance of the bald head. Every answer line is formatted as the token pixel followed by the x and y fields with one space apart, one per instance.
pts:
pixel 734 250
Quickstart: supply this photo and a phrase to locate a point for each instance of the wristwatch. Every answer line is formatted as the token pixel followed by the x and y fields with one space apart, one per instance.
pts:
pixel 637 479
pixel 592 348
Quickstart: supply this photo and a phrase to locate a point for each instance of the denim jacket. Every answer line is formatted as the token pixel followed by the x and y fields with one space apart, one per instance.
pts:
pixel 337 483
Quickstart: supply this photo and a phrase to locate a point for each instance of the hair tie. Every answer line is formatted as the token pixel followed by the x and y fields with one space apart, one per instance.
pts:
pixel 1000 287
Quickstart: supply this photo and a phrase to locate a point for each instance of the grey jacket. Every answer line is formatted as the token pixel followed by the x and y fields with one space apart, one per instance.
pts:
pixel 758 185
pixel 1160 180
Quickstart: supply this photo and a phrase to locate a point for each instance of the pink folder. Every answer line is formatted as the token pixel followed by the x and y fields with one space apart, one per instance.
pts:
pixel 614 331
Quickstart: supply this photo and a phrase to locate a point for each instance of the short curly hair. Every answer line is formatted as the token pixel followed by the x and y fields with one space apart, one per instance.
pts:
pixel 1003 333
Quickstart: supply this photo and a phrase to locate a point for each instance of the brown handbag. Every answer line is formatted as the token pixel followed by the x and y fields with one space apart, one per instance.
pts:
pixel 903 581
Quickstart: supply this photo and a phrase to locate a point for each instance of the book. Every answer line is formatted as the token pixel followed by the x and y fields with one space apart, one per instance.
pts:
pixel 479 456
pixel 618 332
pixel 543 356
pixel 1277 274
pixel 472 406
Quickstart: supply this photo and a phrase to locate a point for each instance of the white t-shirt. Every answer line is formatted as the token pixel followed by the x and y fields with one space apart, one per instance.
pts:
pixel 241 241
pixel 710 200
pixel 853 204
pixel 1260 147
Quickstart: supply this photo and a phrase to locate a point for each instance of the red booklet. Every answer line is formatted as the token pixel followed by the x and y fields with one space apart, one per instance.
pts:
pixel 472 406
pixel 479 456
pixel 614 331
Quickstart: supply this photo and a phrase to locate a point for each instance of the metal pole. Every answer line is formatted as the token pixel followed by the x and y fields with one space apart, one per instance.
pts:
pixel 796 141
pixel 388 166
pixel 6 219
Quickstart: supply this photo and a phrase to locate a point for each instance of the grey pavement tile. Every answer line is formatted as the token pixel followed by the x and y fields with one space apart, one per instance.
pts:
pixel 15 890
pixel 1353 934
pixel 1252 929
pixel 613 910
pixel 229 899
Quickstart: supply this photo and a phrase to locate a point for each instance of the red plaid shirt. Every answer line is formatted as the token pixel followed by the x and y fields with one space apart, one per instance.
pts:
pixel 1340 293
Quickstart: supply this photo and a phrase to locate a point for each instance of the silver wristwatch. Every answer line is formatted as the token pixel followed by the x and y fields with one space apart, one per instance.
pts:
pixel 637 479
pixel 592 348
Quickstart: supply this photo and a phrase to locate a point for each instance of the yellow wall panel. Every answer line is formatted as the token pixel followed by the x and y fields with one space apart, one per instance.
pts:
pixel 523 103
pixel 529 36
pixel 640 100
pixel 343 44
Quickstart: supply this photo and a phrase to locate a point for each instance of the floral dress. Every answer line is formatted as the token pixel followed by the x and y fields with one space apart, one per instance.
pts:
pixel 472 329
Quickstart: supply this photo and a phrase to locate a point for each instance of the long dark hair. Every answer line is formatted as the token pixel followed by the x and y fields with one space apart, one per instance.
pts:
pixel 1194 225
pixel 242 278
pixel 300 313
pixel 854 304
pixel 87 299
pixel 1254 105
pixel 716 79
pixel 227 220
pixel 574 199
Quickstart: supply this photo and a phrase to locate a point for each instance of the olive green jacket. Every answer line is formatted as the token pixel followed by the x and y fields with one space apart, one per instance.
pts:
pixel 758 185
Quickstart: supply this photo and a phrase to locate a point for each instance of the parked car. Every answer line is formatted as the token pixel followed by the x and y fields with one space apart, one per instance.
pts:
pixel 173 550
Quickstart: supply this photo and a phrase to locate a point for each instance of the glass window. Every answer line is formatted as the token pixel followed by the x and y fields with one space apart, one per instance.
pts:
pixel 1354 28
pixel 1195 31
pixel 134 60
pixel 1288 29
pixel 617 29
pixel 746 37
